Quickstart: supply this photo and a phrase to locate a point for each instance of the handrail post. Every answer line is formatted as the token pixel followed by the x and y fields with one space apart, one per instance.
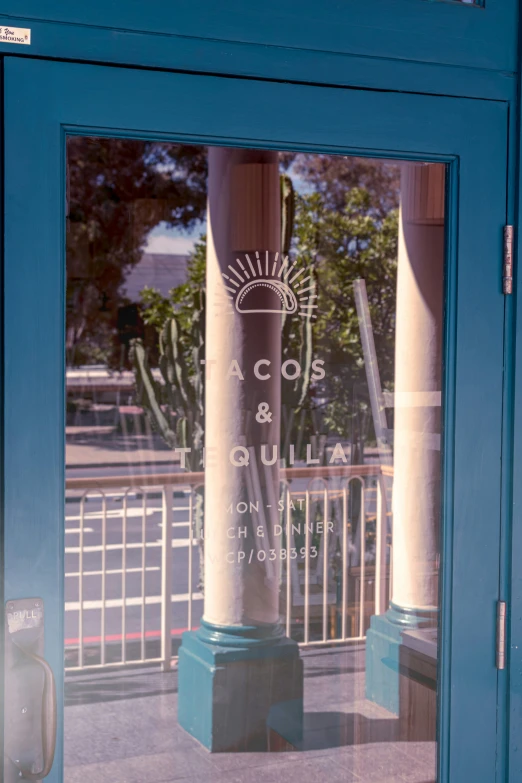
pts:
pixel 166 578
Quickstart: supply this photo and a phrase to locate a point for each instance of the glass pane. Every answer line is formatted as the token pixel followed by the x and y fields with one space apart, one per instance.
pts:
pixel 254 359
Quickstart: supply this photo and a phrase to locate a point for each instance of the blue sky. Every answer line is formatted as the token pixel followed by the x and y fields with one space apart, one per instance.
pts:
pixel 165 239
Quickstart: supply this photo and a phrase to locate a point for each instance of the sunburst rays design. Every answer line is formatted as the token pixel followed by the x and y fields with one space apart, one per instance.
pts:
pixel 297 294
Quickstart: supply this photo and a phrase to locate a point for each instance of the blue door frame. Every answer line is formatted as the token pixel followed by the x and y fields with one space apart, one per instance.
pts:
pixel 481 35
pixel 43 101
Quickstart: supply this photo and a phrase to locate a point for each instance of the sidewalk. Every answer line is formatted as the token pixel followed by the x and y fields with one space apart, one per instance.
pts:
pixel 122 728
pixel 104 446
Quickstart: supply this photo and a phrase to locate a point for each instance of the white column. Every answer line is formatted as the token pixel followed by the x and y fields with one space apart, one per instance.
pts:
pixel 418 364
pixel 243 217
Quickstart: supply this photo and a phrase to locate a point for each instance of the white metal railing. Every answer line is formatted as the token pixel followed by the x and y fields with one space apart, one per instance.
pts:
pixel 324 597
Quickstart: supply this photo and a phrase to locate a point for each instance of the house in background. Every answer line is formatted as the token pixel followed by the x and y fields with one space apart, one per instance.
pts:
pixel 161 271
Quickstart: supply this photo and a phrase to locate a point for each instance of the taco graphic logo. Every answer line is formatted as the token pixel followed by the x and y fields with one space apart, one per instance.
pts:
pixel 269 283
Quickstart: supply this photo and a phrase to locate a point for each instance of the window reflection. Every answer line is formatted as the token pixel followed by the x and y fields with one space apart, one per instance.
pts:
pixel 254 354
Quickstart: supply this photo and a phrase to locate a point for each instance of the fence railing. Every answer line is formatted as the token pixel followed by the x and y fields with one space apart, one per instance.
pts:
pixel 132 561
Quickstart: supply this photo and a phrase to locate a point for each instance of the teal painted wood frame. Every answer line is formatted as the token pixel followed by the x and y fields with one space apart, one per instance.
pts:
pixel 118 47
pixel 103 45
pixel 514 493
pixel 46 100
pixel 509 722
pixel 435 31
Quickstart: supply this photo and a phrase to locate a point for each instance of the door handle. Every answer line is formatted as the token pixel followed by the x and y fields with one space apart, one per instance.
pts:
pixel 30 694
pixel 48 719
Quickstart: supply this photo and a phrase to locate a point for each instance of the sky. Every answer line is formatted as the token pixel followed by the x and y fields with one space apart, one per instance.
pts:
pixel 165 239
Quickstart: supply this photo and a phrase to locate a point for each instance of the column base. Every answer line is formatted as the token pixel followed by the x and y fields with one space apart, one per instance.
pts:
pixel 240 686
pixel 383 640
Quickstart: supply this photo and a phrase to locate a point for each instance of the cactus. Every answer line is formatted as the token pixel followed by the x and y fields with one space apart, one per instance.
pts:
pixel 287 212
pixel 296 418
pixel 179 400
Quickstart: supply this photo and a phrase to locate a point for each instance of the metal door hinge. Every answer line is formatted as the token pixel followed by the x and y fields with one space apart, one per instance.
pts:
pixel 501 634
pixel 507 267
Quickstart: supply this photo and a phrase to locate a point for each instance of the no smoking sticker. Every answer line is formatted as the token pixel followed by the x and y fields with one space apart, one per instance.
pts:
pixel 15 35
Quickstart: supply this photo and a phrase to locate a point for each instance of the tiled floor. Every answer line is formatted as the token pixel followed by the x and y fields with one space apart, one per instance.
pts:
pixel 122 728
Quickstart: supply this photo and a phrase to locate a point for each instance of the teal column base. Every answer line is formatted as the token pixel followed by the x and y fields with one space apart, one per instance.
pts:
pixel 383 640
pixel 237 686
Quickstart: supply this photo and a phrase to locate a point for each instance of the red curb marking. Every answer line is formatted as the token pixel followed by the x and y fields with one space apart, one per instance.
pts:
pixel 117 637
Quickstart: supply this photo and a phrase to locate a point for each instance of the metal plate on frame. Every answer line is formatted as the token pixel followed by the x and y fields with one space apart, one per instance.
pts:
pixel 24 614
pixel 24 681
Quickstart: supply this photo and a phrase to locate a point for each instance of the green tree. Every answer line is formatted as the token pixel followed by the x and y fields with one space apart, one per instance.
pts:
pixel 335 175
pixel 117 191
pixel 347 244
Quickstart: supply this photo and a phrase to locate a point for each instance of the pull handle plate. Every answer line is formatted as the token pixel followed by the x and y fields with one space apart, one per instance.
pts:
pixel 30 698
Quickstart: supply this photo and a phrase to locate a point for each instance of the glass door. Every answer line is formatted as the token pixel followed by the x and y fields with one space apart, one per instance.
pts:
pixel 252 430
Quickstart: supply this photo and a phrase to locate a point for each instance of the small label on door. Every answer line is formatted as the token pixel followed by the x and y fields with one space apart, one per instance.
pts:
pixel 15 35
pixel 24 613
pixel 24 618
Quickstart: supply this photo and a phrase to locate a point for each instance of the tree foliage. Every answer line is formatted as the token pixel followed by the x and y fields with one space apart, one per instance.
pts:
pixel 117 191
pixel 348 244
pixel 334 176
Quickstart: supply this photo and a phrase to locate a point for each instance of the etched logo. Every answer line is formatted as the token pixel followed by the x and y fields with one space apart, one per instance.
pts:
pixel 268 283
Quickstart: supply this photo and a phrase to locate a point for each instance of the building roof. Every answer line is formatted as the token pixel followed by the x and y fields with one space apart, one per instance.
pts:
pixel 162 271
